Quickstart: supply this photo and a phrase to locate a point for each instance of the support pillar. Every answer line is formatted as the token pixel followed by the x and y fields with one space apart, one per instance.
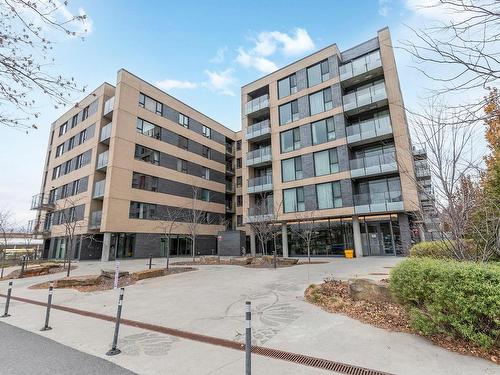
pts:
pixel 252 243
pixel 106 245
pixel 356 231
pixel 284 240
pixel 421 232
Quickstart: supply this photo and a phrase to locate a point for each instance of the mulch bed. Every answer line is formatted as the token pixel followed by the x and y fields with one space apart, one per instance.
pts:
pixel 15 274
pixel 107 283
pixel 333 296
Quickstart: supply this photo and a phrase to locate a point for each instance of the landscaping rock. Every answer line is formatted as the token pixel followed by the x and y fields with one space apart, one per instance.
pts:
pixel 110 274
pixel 42 269
pixel 369 290
pixel 209 260
pixel 241 261
pixel 72 281
pixel 147 274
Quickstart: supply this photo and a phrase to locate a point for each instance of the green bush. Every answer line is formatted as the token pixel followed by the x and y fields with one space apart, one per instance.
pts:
pixel 432 249
pixel 461 299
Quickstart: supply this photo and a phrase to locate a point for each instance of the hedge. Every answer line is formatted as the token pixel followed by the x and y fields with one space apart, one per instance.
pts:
pixel 432 249
pixel 461 299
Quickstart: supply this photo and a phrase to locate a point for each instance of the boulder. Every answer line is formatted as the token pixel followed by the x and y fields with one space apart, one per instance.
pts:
pixel 209 260
pixel 72 281
pixel 369 290
pixel 241 261
pixel 110 274
pixel 147 274
pixel 287 261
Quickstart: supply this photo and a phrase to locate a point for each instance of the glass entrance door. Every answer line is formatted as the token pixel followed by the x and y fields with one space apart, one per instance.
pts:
pixel 378 238
pixel 374 242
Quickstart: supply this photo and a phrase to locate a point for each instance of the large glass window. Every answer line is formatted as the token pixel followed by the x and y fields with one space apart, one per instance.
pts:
pixel 329 195
pixel 320 101
pixel 206 131
pixel 147 154
pixel 323 131
pixel 184 120
pixel 326 162
pixel 289 112
pixel 291 169
pixel 290 140
pixel 287 86
pixel 293 200
pixel 144 182
pixel 150 104
pixel 139 210
pixel 60 150
pixel 149 129
pixel 182 165
pixel 318 73
pixel 63 128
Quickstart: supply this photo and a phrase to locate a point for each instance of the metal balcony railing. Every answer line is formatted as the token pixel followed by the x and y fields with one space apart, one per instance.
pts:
pixel 102 160
pixel 367 129
pixel 378 202
pixel 257 104
pixel 42 202
pixel 260 184
pixel 106 132
pixel 108 106
pixel 370 165
pixel 99 189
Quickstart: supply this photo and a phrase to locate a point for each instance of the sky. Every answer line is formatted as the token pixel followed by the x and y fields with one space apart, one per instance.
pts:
pixel 201 52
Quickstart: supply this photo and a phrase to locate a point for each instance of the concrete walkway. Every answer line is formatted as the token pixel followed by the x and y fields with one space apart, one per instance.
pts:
pixel 211 301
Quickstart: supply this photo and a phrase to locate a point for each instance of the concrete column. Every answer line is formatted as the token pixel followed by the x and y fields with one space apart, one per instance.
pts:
pixel 421 232
pixel 252 243
pixel 106 244
pixel 284 240
pixel 358 245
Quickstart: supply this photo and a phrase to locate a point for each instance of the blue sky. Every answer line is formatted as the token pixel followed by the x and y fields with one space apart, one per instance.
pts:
pixel 201 52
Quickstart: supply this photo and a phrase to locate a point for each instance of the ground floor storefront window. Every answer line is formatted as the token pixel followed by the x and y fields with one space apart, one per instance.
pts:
pixel 380 235
pixel 179 245
pixel 122 245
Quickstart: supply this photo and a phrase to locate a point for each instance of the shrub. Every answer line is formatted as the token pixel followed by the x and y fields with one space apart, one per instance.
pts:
pixel 461 299
pixel 432 249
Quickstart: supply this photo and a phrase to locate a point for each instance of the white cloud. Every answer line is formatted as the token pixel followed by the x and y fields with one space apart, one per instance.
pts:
pixel 384 7
pixel 435 10
pixel 219 55
pixel 268 43
pixel 80 27
pixel 169 84
pixel 221 82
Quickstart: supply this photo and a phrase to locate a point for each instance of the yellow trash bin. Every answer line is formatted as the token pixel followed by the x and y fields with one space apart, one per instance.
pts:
pixel 349 253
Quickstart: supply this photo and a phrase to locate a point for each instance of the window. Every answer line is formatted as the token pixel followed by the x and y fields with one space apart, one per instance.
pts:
pixel 74 187
pixel 71 214
pixel 79 161
pixel 59 150
pixel 63 193
pixel 147 154
pixel 56 172
pixel 184 120
pixel 67 167
pixel 74 121
pixel 291 169
pixel 63 128
pixel 144 182
pixel 318 73
pixel 238 145
pixel 139 210
pixel 329 195
pixel 320 101
pixel 239 200
pixel 83 136
pixel 205 173
pixel 290 140
pixel 51 137
pixel 182 142
pixel 205 151
pixel 205 195
pixel 239 220
pixel 323 131
pixel 182 166
pixel 150 104
pixel 238 163
pixel 71 143
pixel 239 181
pixel 326 162
pixel 53 196
pixel 206 131
pixel 149 129
pixel 293 200
pixel 85 113
pixel 289 112
pixel 287 86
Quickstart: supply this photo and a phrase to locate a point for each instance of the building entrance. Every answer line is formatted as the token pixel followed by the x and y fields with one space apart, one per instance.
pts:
pixel 379 237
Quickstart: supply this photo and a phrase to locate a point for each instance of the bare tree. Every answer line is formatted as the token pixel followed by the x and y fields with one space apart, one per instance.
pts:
pixel 305 227
pixel 168 219
pixel 27 32
pixel 26 231
pixel 6 230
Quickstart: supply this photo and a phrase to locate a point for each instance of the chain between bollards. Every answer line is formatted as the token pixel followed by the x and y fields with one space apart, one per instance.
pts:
pixel 7 302
pixel 46 327
pixel 114 350
pixel 248 338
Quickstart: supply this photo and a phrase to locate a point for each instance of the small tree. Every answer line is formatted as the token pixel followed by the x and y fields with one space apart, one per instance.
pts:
pixel 305 228
pixel 6 230
pixel 27 234
pixel 168 220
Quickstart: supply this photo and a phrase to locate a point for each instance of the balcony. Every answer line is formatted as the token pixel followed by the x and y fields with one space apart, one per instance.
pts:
pixel 95 220
pixel 373 129
pixel 259 131
pixel 108 107
pixel 230 187
pixel 230 169
pixel 260 214
pixel 259 157
pixel 366 98
pixel 230 208
pixel 99 189
pixel 260 184
pixel 360 69
pixel 374 165
pixel 106 133
pixel 257 104
pixel 102 161
pixel 387 201
pixel 229 149
pixel 423 172
pixel 42 202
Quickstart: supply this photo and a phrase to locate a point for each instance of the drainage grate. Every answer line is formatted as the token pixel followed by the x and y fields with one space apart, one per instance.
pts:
pixel 301 359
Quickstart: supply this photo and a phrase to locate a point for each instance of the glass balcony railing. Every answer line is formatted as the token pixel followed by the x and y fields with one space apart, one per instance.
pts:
pixel 108 106
pixel 260 184
pixel 263 213
pixel 95 220
pixel 367 129
pixel 259 129
pixel 257 104
pixel 106 132
pixel 42 202
pixel 259 156
pixel 99 189
pixel 378 202
pixel 102 160
pixel 364 96
pixel 360 66
pixel 229 187
pixel 423 171
pixel 376 164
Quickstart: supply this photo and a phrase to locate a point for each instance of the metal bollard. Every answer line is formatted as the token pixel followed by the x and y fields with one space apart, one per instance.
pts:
pixel 46 327
pixel 248 338
pixel 150 261
pixel 114 350
pixel 23 264
pixel 7 302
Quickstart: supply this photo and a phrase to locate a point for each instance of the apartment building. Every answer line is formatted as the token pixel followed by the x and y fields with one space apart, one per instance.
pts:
pixel 325 136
